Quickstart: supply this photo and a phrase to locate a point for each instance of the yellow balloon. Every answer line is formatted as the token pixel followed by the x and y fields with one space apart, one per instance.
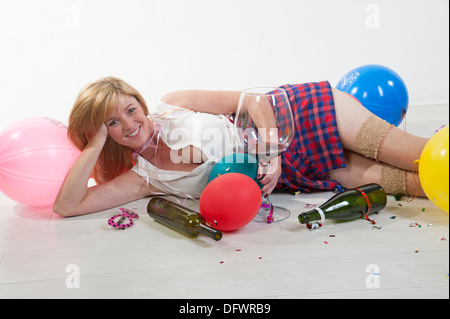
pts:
pixel 433 168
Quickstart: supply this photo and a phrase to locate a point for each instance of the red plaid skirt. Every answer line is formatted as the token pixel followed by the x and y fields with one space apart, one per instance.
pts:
pixel 317 147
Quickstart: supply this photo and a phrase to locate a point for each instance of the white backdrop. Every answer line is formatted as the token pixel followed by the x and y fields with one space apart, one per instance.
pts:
pixel 49 49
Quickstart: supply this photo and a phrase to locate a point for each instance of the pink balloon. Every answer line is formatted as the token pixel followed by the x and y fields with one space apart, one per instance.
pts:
pixel 35 155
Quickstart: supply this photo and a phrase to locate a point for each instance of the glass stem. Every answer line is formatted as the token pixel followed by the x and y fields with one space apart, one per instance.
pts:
pixel 265 202
pixel 267 209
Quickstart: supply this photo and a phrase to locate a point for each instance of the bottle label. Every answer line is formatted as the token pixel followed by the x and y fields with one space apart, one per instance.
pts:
pixel 322 215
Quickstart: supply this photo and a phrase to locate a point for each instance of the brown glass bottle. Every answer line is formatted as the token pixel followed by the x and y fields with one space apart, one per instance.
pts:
pixel 180 218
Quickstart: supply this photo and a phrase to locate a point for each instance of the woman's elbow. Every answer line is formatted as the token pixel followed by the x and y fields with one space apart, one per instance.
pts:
pixel 58 209
pixel 65 211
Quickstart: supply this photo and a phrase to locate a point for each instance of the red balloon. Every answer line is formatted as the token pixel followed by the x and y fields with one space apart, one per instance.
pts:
pixel 230 201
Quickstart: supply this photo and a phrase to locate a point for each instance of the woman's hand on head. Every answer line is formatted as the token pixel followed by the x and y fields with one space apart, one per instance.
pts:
pixel 98 138
pixel 102 131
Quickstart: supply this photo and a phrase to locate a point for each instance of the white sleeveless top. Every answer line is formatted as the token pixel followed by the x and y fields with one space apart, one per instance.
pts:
pixel 180 128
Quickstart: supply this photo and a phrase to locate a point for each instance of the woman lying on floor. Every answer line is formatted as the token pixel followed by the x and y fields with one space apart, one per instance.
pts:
pixel 130 153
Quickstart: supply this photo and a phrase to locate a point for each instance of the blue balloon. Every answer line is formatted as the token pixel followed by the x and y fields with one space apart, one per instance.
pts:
pixel 235 163
pixel 379 89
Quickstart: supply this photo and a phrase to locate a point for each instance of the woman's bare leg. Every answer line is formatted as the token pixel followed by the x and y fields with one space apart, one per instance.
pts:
pixel 389 153
pixel 397 148
pixel 361 170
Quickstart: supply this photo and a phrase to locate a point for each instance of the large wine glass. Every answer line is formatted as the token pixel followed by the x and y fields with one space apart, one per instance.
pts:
pixel 265 128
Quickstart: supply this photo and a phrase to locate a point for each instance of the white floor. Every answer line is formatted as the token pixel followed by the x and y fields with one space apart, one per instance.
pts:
pixel 41 254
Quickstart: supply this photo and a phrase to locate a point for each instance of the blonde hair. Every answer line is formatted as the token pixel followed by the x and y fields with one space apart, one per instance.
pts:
pixel 92 108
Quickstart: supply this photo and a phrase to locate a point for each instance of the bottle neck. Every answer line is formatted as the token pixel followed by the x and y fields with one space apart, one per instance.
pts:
pixel 210 232
pixel 309 216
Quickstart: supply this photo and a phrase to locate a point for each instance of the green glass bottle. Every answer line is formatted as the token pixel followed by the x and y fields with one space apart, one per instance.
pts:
pixel 180 218
pixel 349 204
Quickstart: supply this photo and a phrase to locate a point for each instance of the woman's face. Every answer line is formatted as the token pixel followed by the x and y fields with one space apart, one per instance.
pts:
pixel 128 124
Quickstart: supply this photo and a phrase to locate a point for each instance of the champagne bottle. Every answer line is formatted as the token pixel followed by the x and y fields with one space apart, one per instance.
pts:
pixel 349 204
pixel 180 218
